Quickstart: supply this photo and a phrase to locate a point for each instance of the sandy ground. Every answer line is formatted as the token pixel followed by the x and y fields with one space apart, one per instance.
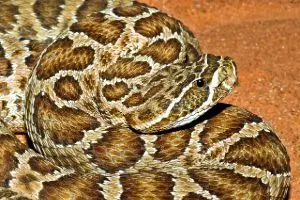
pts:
pixel 263 37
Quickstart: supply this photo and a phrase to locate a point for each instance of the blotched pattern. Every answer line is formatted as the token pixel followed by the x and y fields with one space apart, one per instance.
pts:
pixel 48 12
pixel 5 65
pixel 100 29
pixel 54 60
pixel 64 125
pixel 120 103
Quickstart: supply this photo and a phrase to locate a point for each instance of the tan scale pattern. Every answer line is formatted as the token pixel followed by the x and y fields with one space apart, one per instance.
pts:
pixel 48 12
pixel 122 104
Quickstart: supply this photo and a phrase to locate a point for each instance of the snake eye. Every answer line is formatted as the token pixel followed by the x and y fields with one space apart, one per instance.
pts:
pixel 200 82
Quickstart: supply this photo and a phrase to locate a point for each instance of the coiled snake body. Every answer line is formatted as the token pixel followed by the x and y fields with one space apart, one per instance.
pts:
pixel 120 103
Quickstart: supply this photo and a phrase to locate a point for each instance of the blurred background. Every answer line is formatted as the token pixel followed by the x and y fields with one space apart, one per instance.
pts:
pixel 263 37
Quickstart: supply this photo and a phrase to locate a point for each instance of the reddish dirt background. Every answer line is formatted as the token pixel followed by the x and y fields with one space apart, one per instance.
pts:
pixel 263 37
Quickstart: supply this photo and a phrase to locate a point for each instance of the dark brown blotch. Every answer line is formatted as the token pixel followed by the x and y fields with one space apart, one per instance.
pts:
pixel 4 89
pixel 23 82
pixel 115 92
pixel 193 196
pixel 48 12
pixel 129 11
pixel 74 186
pixel 120 148
pixel 223 125
pixel 145 114
pixel 157 77
pixel 105 58
pixel 264 151
pixel 192 55
pixel 183 83
pixel 27 182
pixel 67 88
pixel 89 81
pixel 147 185
pixel 153 91
pixel 139 98
pixel 36 48
pixel 134 100
pixel 90 6
pixel 41 165
pixel 8 13
pixel 19 104
pixel 7 193
pixel 155 107
pixel 226 184
pixel 153 26
pixel 163 52
pixel 5 64
pixel 64 125
pixel 27 31
pixel 126 68
pixel 10 145
pixel 61 56
pixel 27 179
pixel 3 105
pixel 99 28
pixel 171 145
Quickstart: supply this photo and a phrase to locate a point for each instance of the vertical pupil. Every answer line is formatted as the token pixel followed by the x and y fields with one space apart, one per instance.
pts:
pixel 200 83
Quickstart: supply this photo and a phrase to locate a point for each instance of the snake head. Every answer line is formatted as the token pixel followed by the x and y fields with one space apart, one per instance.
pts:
pixel 185 92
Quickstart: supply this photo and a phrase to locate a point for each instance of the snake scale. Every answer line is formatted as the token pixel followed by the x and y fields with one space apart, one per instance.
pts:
pixel 120 103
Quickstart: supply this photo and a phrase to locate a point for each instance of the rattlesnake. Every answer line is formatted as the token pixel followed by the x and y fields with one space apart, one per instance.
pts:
pixel 120 103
